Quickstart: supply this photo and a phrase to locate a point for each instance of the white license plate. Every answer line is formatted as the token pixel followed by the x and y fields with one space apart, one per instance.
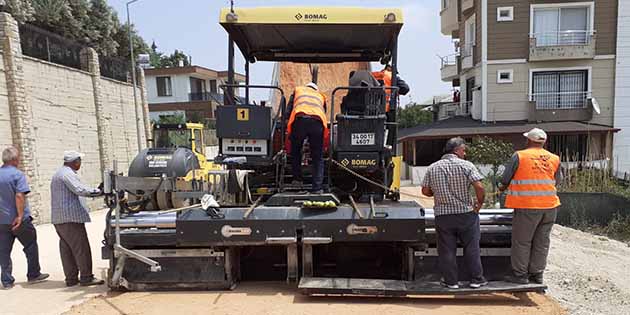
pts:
pixel 363 139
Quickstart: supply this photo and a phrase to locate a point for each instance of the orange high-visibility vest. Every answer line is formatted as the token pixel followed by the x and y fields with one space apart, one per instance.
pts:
pixel 309 102
pixel 386 77
pixel 534 185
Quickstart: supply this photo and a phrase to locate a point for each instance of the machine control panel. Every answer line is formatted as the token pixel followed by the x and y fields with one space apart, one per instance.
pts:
pixel 244 147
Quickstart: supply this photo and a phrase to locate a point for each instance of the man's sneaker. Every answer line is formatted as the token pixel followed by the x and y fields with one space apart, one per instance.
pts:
pixel 450 286
pixel 91 282
pixel 536 278
pixel 476 284
pixel 516 279
pixel 71 283
pixel 297 183
pixel 40 278
pixel 317 192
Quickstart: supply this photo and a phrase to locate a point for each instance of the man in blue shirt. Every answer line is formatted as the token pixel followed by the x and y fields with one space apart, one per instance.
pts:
pixel 16 221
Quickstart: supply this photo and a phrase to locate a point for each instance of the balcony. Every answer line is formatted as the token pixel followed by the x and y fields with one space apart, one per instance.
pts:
pixel 212 96
pixel 467 56
pixel 449 18
pixel 205 96
pixel 450 110
pixel 449 67
pixel 467 5
pixel 561 106
pixel 562 45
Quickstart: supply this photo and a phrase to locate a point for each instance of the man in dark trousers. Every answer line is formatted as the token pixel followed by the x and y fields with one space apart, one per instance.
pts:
pixel 308 121
pixel 456 216
pixel 16 220
pixel 69 215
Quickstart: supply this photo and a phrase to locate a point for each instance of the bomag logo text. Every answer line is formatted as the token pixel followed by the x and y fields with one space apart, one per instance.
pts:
pixel 311 17
pixel 364 163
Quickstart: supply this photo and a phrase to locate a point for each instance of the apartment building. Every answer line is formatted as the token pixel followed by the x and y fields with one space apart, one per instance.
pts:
pixel 621 152
pixel 524 63
pixel 192 91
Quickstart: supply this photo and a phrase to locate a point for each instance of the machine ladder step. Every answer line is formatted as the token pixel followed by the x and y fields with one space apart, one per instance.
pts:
pixel 378 287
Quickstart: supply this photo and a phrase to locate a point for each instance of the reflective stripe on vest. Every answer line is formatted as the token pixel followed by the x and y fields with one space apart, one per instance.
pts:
pixel 386 77
pixel 308 102
pixel 533 183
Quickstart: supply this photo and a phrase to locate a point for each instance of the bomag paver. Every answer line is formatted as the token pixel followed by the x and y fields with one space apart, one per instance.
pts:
pixel 360 240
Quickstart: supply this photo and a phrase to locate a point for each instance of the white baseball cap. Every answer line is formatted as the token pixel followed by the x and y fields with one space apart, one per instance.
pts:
pixel 71 155
pixel 313 86
pixel 536 135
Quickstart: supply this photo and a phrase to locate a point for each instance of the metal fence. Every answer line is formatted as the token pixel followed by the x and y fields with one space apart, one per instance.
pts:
pixel 42 44
pixel 561 100
pixel 206 96
pixel 115 68
pixel 448 60
pixel 563 38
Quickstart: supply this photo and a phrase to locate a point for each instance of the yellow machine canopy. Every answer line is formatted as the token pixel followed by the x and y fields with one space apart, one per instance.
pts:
pixel 313 35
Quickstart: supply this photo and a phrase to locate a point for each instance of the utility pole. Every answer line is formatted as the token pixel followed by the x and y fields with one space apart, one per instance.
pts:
pixel 133 77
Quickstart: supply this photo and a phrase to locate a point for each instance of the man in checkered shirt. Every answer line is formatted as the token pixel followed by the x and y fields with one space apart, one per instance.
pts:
pixel 456 216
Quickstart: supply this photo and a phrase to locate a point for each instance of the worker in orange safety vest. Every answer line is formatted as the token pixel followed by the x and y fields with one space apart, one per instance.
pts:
pixel 308 121
pixel 530 179
pixel 385 78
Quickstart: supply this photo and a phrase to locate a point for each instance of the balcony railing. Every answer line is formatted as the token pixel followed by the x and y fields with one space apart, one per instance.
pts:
pixel 448 66
pixel 211 96
pixel 561 100
pixel 563 38
pixel 205 96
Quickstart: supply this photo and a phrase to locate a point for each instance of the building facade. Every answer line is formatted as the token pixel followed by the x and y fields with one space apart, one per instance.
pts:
pixel 192 91
pixel 526 63
pixel 622 93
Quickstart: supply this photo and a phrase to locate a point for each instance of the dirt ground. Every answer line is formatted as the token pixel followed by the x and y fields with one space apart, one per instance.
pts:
pixel 277 298
pixel 280 298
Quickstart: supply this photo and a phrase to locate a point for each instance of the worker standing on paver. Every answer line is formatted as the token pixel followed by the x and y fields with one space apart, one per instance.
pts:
pixel 69 215
pixel 16 220
pixel 385 78
pixel 530 179
pixel 308 121
pixel 456 217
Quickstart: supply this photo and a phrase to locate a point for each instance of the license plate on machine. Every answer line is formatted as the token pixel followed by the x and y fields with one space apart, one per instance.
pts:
pixel 363 139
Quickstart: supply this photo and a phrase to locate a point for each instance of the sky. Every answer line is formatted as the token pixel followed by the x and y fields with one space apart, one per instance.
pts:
pixel 192 26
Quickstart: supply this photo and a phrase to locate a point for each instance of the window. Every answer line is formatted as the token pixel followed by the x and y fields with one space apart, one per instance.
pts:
pixel 568 147
pixel 560 89
pixel 470 36
pixel 505 76
pixel 562 25
pixel 505 14
pixel 199 147
pixel 213 86
pixel 164 86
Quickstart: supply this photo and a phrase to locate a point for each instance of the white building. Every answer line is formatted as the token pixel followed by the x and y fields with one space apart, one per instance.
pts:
pixel 621 154
pixel 193 91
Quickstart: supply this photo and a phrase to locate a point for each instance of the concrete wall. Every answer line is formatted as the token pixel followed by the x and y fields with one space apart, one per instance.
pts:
pixel 47 108
pixel 621 154
pixel 5 118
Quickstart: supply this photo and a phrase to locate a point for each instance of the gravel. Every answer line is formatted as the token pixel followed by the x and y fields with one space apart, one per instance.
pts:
pixel 588 274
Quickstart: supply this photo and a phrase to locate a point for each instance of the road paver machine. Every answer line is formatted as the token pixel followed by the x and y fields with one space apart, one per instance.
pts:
pixel 253 225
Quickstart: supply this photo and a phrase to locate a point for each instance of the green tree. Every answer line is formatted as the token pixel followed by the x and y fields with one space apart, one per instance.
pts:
pixel 172 119
pixel 21 10
pixel 102 25
pixel 122 38
pixel 413 115
pixel 491 152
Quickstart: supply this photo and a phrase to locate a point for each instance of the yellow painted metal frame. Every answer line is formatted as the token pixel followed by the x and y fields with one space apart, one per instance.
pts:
pixel 311 15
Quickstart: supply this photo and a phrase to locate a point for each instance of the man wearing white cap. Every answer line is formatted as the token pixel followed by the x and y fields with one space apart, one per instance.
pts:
pixel 69 215
pixel 530 180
